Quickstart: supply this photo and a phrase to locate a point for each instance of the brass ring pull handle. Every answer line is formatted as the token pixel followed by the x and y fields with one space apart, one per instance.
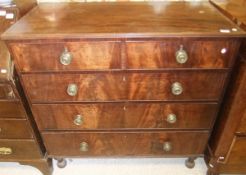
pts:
pixel 167 146
pixel 84 147
pixel 171 118
pixel 78 120
pixel 72 90
pixel 181 55
pixel 66 57
pixel 177 88
pixel 5 151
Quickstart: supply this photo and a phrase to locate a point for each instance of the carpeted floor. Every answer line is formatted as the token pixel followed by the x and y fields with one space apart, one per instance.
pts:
pixel 154 166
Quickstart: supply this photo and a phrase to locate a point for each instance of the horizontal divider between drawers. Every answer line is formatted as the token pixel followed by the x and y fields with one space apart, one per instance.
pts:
pixel 134 131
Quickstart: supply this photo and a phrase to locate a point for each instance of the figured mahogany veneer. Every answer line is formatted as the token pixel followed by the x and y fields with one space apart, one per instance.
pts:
pixel 125 144
pixel 139 55
pixel 124 115
pixel 196 85
pixel 86 55
pixel 202 53
pixel 126 64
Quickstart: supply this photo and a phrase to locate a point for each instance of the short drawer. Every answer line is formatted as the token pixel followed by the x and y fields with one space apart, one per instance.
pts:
pixel 180 85
pixel 125 144
pixel 67 56
pixel 237 154
pixel 11 109
pixel 124 116
pixel 19 150
pixel 191 53
pixel 6 92
pixel 14 129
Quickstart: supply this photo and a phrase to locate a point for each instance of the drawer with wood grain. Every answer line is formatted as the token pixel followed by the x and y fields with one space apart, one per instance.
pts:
pixel 6 92
pixel 19 149
pixel 125 144
pixel 14 129
pixel 11 109
pixel 67 56
pixel 124 116
pixel 189 53
pixel 179 85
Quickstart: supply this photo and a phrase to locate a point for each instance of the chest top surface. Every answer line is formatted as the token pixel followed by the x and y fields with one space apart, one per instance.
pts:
pixel 234 9
pixel 122 19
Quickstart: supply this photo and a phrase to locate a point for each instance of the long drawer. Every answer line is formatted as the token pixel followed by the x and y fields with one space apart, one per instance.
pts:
pixel 14 129
pixel 19 149
pixel 11 109
pixel 125 144
pixel 96 55
pixel 124 116
pixel 179 85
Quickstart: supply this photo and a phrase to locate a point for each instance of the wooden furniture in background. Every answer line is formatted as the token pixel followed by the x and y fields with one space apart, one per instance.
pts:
pixel 19 137
pixel 227 148
pixel 137 79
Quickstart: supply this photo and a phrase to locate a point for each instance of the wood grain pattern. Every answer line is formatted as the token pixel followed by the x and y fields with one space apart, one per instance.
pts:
pixel 125 144
pixel 124 116
pixel 14 129
pixel 11 109
pixel 202 53
pixel 130 19
pixel 197 85
pixel 86 56
pixel 22 149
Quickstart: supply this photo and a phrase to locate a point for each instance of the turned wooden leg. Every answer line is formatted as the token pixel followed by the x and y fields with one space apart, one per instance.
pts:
pixel 61 163
pixel 190 162
pixel 43 165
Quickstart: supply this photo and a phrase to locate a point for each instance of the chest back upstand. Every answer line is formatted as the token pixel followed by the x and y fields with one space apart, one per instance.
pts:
pixel 117 79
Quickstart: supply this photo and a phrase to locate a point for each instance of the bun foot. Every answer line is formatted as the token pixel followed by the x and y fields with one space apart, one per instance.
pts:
pixel 190 162
pixel 61 163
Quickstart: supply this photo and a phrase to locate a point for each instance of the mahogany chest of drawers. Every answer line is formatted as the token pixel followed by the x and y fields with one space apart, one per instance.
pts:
pixel 227 146
pixel 136 79
pixel 19 138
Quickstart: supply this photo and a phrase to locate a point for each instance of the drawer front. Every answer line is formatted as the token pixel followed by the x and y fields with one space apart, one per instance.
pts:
pixel 237 153
pixel 124 116
pixel 197 85
pixel 125 144
pixel 11 109
pixel 6 92
pixel 201 54
pixel 80 56
pixel 19 149
pixel 91 87
pixel 14 129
